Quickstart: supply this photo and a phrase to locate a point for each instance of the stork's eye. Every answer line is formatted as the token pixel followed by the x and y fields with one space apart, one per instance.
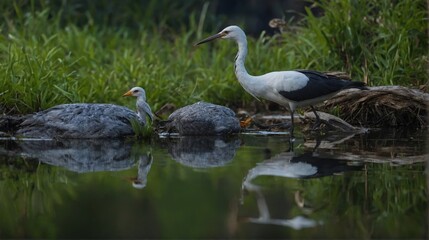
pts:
pixel 226 32
pixel 135 91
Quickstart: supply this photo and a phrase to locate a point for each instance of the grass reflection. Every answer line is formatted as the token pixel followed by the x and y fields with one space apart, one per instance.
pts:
pixel 30 193
pixel 379 202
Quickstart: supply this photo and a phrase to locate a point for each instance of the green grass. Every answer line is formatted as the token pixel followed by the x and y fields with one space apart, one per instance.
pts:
pixel 380 42
pixel 52 53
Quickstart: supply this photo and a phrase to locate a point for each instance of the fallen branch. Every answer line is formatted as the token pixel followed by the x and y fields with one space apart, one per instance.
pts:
pixel 382 106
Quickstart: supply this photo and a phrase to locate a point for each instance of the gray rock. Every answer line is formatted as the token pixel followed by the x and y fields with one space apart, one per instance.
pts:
pixel 203 118
pixel 80 121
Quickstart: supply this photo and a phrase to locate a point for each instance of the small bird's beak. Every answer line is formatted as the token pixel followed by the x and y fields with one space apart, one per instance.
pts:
pixel 127 94
pixel 211 38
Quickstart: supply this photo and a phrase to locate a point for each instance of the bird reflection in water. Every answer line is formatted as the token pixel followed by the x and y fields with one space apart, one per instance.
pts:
pixel 143 168
pixel 290 164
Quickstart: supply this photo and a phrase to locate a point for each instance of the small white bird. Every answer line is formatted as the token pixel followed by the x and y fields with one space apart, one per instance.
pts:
pixel 291 89
pixel 143 108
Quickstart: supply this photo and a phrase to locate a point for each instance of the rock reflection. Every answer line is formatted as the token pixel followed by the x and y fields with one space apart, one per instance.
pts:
pixel 292 165
pixel 204 151
pixel 76 155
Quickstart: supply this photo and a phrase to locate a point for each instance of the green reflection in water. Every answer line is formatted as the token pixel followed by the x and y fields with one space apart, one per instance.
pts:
pixel 180 201
pixel 380 202
pixel 30 193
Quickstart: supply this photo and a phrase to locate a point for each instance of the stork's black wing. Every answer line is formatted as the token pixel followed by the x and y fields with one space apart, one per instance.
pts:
pixel 318 85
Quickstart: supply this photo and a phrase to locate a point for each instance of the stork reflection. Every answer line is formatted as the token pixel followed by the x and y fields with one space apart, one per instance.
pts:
pixel 290 164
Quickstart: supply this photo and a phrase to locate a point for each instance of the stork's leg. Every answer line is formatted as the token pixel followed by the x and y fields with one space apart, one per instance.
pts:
pixel 291 125
pixel 317 123
pixel 292 138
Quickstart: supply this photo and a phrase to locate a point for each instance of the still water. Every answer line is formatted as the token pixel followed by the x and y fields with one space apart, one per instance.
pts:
pixel 250 186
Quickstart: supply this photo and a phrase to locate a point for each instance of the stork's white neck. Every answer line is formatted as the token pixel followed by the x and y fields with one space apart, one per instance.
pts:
pixel 249 82
pixel 240 69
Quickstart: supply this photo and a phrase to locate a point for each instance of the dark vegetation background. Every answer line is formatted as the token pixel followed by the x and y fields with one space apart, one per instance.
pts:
pixel 54 52
pixel 254 14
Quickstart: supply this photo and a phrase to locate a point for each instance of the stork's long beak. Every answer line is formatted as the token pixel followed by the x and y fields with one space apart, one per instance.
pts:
pixel 127 94
pixel 211 38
